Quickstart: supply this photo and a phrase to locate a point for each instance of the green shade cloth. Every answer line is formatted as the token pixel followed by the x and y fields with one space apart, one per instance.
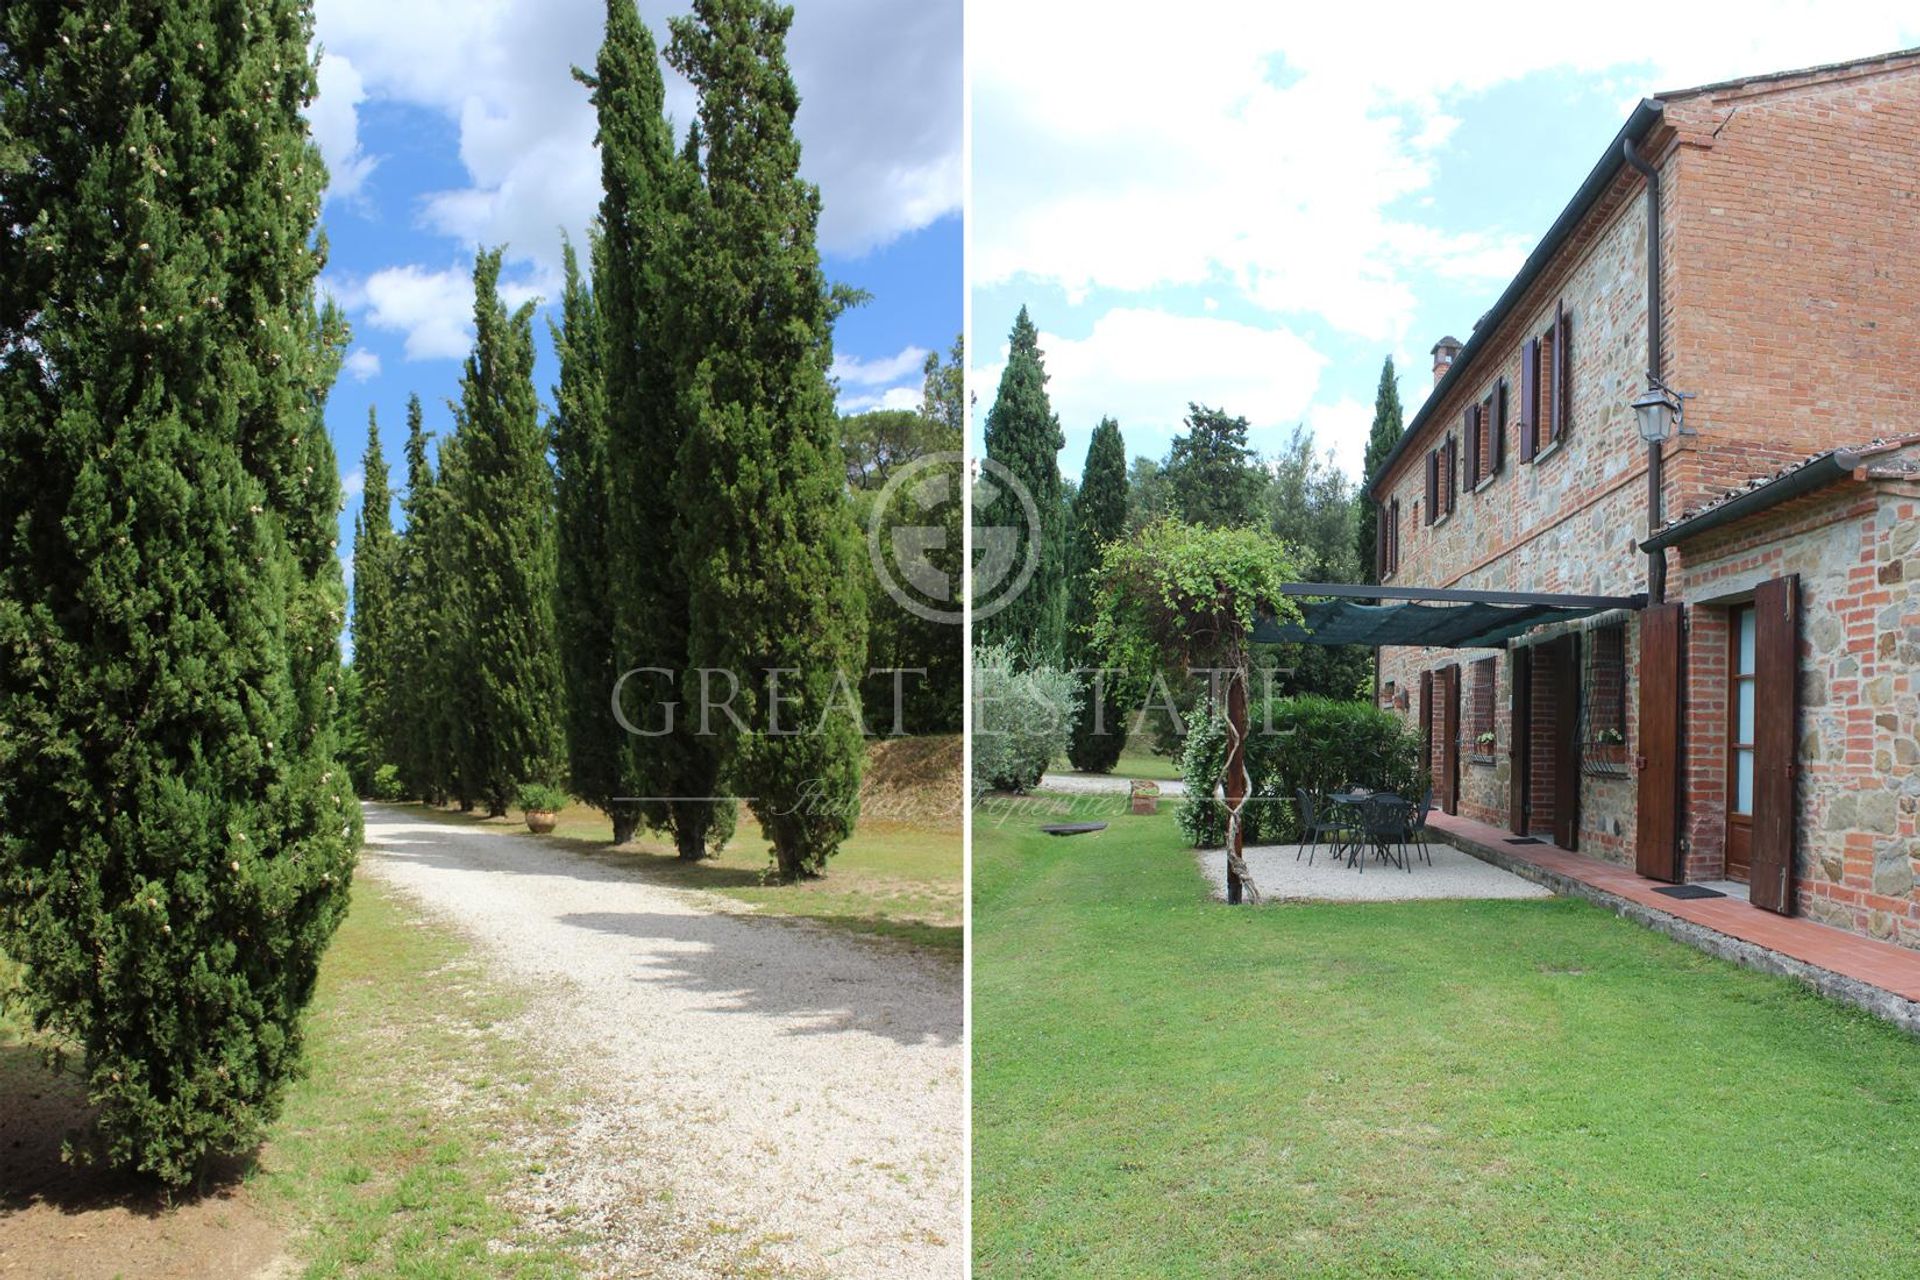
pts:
pixel 1441 626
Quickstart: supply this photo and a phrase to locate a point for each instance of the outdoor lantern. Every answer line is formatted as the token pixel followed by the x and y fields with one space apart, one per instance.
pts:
pixel 1662 412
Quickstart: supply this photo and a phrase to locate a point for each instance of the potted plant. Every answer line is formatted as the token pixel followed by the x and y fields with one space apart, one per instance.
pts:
pixel 542 804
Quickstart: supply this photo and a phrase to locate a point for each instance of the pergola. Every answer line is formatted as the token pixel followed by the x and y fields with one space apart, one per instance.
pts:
pixel 1432 617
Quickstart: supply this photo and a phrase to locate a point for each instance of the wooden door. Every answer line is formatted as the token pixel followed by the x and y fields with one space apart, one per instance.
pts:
pixel 1426 729
pixel 1519 737
pixel 1449 783
pixel 1743 711
pixel 1566 742
pixel 1657 837
pixel 1776 678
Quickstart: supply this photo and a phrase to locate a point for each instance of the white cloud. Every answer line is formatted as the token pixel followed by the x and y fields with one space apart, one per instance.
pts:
pixel 353 484
pixel 334 116
pixel 1272 148
pixel 879 120
pixel 855 371
pixel 1342 426
pixel 901 397
pixel 362 364
pixel 1144 367
pixel 433 309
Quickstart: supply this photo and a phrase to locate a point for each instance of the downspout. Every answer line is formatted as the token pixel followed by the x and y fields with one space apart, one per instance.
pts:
pixel 1656 515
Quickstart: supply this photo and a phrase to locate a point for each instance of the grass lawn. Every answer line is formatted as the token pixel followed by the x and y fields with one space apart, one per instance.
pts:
pixel 1168 1086
pixel 892 879
pixel 394 1151
pixel 1135 762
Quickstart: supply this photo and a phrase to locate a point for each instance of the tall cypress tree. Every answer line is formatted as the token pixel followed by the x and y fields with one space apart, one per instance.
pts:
pixel 376 565
pixel 1387 427
pixel 650 337
pixel 1099 517
pixel 415 642
pixel 176 836
pixel 766 530
pixel 583 606
pixel 1023 435
pixel 509 690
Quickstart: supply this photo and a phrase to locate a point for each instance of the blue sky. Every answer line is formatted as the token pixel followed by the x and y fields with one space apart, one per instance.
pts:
pixel 1253 205
pixel 448 124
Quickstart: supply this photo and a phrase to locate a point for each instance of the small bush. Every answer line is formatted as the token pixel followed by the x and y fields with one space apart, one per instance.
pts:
pixel 1021 720
pixel 1316 743
pixel 387 785
pixel 538 797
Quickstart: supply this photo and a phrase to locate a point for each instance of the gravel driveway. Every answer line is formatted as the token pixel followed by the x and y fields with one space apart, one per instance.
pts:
pixel 755 1093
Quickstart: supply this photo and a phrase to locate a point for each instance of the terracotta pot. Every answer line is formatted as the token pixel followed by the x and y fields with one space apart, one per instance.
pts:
pixel 541 821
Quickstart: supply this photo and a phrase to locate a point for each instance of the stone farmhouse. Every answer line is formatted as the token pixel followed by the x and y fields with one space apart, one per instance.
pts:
pixel 1726 686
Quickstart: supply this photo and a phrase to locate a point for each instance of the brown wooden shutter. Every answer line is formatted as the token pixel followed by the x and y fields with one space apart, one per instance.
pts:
pixel 1529 395
pixel 1393 537
pixel 1776 681
pixel 1433 485
pixel 1562 373
pixel 1499 415
pixel 1657 840
pixel 1426 725
pixel 1450 739
pixel 1453 471
pixel 1519 737
pixel 1471 429
pixel 1380 569
pixel 1566 742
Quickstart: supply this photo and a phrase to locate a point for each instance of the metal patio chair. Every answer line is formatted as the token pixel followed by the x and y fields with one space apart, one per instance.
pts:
pixel 1385 821
pixel 1317 819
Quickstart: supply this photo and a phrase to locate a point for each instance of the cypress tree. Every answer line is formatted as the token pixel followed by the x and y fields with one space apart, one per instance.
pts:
pixel 1023 435
pixel 583 607
pixel 176 834
pixel 1099 517
pixel 774 562
pixel 1387 427
pixel 376 564
pixel 508 691
pixel 649 337
pixel 416 642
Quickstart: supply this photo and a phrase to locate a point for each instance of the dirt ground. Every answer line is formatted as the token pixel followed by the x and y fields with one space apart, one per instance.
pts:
pixel 59 1222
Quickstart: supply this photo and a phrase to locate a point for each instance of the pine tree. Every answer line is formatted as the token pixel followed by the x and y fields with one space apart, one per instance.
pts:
pixel 583 606
pixel 176 833
pixel 1023 435
pixel 1213 476
pixel 1099 517
pixel 1380 441
pixel 650 337
pixel 775 565
pixel 376 564
pixel 417 642
pixel 509 689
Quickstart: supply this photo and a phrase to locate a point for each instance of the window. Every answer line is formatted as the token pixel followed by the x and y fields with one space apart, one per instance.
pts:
pixel 1452 466
pixel 1741 712
pixel 1546 386
pixel 1485 430
pixel 1480 717
pixel 1386 541
pixel 1603 737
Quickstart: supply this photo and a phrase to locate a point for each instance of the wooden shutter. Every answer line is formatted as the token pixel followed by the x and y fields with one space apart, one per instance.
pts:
pixel 1776 680
pixel 1499 414
pixel 1453 471
pixel 1393 537
pixel 1529 395
pixel 1657 840
pixel 1433 485
pixel 1562 380
pixel 1450 739
pixel 1519 737
pixel 1380 569
pixel 1566 742
pixel 1426 725
pixel 1471 428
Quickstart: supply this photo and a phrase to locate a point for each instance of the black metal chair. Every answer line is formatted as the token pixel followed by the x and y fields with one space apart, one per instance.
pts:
pixel 1316 821
pixel 1419 832
pixel 1385 820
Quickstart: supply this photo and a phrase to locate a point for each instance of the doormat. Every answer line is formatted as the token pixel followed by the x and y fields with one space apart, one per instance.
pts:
pixel 1690 891
pixel 1525 840
pixel 1074 828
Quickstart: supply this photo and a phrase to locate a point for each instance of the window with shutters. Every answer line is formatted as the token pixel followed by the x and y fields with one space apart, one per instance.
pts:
pixel 1603 715
pixel 1393 536
pixel 1546 387
pixel 1450 481
pixel 1480 712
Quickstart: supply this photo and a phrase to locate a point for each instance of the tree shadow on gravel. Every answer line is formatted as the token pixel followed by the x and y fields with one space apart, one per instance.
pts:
pixel 836 991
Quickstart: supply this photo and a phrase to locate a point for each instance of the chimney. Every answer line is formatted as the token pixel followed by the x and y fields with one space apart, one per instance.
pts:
pixel 1443 353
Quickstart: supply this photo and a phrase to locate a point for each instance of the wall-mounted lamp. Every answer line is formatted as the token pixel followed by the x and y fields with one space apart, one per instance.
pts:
pixel 1662 411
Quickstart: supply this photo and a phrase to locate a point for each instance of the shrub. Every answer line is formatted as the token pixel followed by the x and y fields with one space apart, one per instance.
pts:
pixel 1312 742
pixel 1021 720
pixel 540 798
pixel 387 784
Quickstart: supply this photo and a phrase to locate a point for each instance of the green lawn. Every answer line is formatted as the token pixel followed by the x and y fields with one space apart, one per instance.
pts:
pixel 1167 1086
pixel 1135 762
pixel 891 879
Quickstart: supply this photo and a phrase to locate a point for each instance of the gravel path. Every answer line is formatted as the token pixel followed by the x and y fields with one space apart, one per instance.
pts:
pixel 754 1093
pixel 1282 877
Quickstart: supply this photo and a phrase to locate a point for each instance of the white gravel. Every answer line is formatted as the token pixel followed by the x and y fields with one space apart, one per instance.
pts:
pixel 1101 784
pixel 753 1093
pixel 1281 877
